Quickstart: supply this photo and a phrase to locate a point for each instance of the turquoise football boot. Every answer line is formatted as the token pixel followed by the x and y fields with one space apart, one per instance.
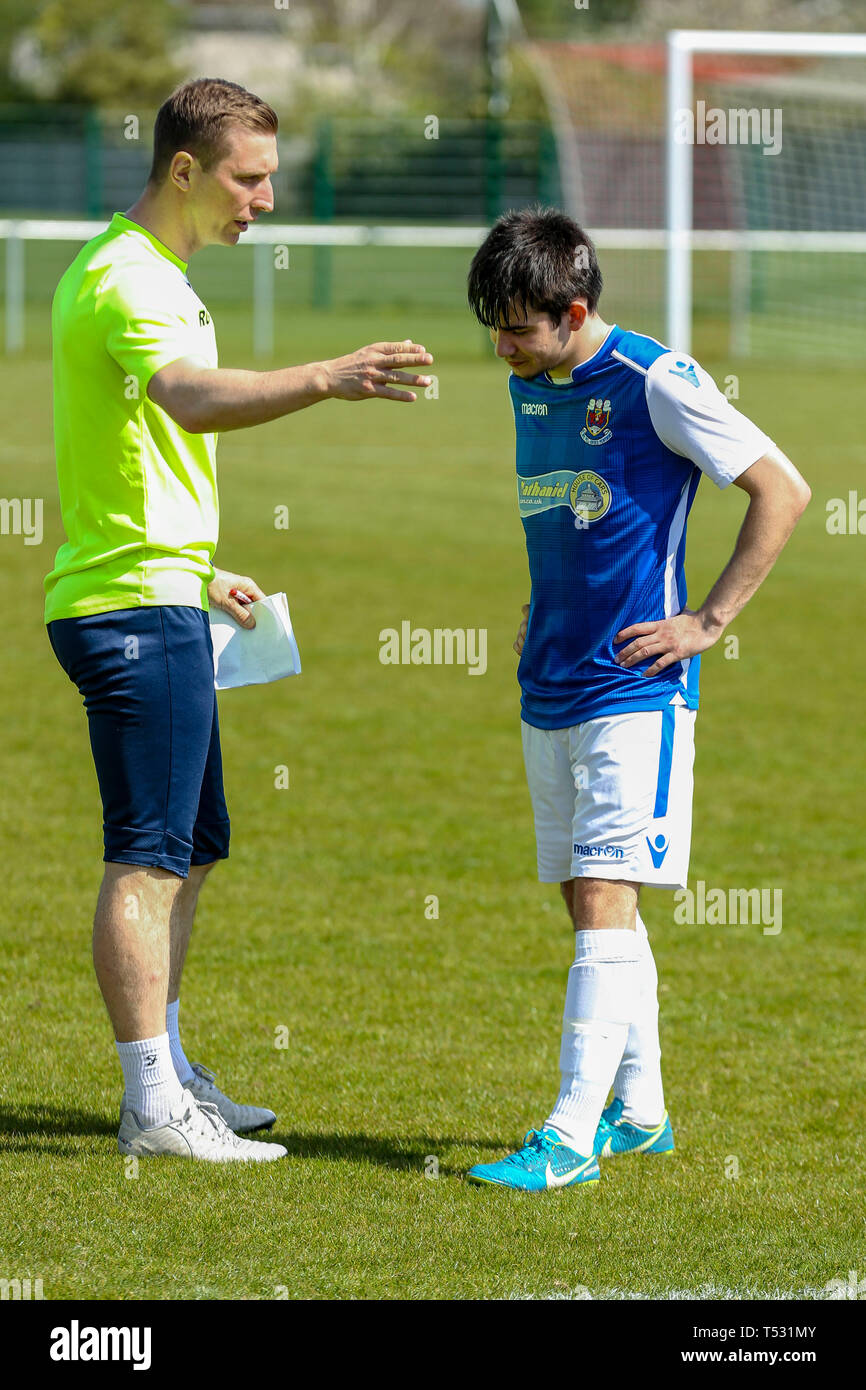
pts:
pixel 542 1163
pixel 618 1136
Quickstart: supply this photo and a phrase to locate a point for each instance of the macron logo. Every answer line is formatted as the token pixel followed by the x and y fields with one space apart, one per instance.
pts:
pixel 76 1343
pixel 599 851
pixel 658 848
pixel 687 372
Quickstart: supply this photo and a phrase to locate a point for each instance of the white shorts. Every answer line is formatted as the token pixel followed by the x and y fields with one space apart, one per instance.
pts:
pixel 612 797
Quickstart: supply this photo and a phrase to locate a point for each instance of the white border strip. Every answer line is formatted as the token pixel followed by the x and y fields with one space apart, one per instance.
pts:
pixel 434 238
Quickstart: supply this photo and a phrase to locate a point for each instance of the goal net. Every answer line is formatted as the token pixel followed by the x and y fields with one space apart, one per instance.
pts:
pixel 725 182
pixel 769 145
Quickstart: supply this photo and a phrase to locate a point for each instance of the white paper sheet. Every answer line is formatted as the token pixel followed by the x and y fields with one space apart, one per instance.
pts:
pixel 254 656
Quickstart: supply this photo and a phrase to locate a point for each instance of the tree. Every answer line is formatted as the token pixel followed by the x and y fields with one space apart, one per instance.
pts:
pixel 101 52
pixel 16 13
pixel 384 56
pixel 560 19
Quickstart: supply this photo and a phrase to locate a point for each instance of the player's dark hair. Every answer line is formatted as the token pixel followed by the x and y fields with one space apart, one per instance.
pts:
pixel 197 117
pixel 535 258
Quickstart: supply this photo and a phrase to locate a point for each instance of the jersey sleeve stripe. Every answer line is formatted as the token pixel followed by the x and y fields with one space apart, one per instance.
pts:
pixel 628 362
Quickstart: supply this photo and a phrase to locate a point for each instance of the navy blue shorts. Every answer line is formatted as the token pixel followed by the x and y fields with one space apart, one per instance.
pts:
pixel 146 675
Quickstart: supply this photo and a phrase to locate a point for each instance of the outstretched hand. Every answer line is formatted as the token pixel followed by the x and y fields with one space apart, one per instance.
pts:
pixel 374 371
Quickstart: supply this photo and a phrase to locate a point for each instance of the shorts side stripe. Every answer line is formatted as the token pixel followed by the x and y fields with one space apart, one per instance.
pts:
pixel 666 753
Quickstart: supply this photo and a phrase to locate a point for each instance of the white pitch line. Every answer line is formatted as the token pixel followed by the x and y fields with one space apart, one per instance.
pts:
pixel 705 1291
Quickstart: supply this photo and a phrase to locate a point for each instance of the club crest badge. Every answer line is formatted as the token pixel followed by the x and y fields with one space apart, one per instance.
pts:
pixel 596 431
pixel 589 498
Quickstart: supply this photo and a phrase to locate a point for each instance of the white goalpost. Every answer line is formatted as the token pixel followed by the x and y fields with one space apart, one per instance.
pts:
pixel 822 107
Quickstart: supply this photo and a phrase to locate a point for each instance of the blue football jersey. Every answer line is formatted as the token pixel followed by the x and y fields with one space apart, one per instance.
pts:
pixel 608 464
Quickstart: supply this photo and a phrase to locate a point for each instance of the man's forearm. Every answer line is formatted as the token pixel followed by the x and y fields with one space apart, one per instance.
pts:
pixel 777 497
pixel 766 529
pixel 223 398
pixel 206 400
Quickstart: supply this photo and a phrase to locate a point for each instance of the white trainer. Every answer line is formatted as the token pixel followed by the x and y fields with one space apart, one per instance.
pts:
pixel 199 1131
pixel 241 1118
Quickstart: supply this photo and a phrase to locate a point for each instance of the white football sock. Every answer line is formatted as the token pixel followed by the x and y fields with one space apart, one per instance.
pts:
pixel 153 1091
pixel 184 1071
pixel 638 1082
pixel 600 1001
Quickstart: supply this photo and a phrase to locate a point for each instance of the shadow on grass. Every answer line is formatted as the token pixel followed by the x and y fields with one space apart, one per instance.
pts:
pixel 405 1153
pixel 40 1128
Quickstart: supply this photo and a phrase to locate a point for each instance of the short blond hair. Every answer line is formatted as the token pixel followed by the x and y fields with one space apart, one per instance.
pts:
pixel 197 116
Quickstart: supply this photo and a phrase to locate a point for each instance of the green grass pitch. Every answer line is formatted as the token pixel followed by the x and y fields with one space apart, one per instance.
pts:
pixel 418 1045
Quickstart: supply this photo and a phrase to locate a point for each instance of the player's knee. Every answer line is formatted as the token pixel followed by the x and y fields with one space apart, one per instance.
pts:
pixel 567 891
pixel 599 902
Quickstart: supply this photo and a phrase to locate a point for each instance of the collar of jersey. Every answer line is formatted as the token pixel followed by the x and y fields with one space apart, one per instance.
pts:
pixel 127 223
pixel 584 369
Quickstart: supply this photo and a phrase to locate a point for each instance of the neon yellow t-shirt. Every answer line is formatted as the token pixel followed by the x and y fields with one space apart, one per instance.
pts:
pixel 138 494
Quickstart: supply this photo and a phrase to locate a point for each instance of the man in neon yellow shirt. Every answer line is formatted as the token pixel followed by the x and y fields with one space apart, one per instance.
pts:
pixel 138 401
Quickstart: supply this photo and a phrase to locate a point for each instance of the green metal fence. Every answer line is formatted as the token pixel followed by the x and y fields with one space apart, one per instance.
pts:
pixel 75 161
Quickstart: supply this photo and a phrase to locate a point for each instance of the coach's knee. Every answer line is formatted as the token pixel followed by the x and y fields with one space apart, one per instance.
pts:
pixel 202 869
pixel 198 873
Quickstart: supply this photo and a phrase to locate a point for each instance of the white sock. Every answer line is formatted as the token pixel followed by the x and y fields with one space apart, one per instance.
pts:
pixel 638 1082
pixel 184 1071
pixel 600 1001
pixel 153 1091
